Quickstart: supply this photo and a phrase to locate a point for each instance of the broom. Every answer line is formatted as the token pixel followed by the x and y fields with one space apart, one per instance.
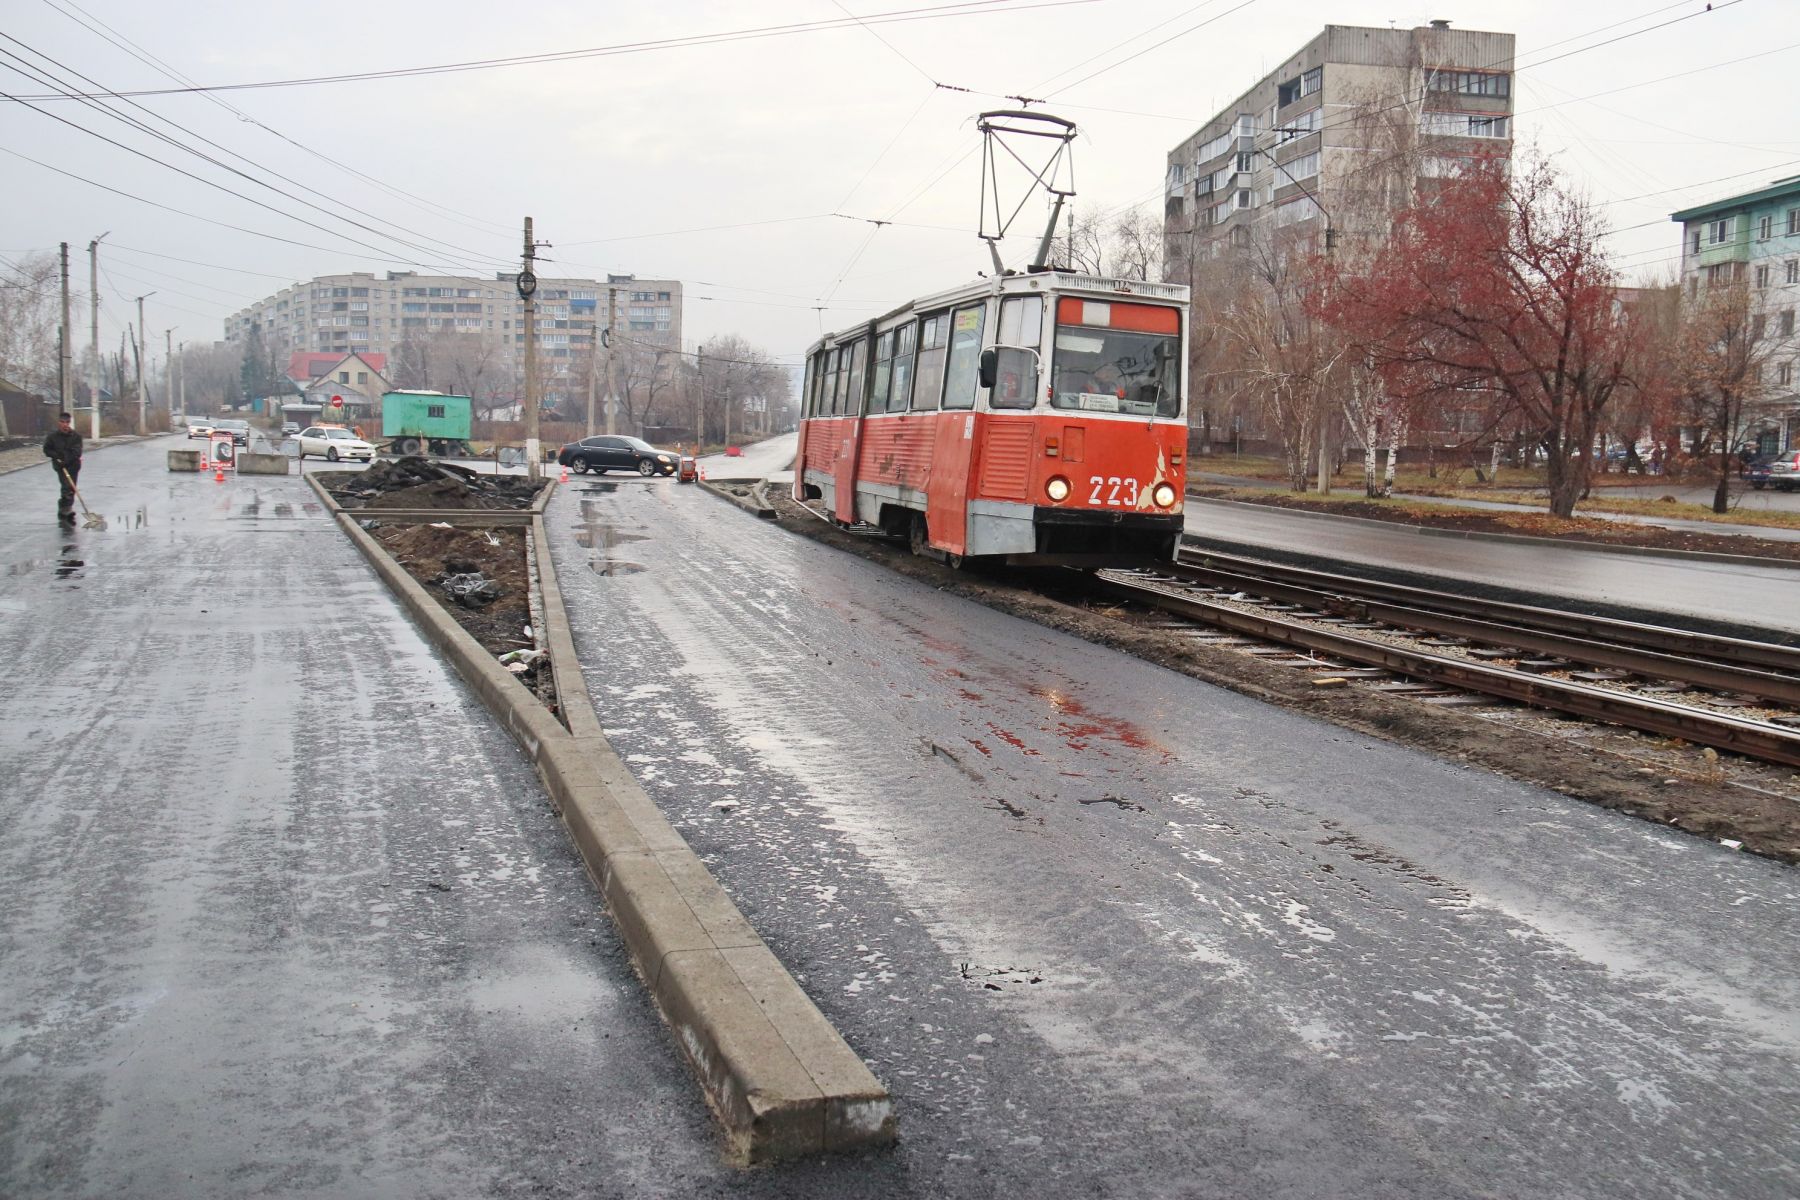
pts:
pixel 89 518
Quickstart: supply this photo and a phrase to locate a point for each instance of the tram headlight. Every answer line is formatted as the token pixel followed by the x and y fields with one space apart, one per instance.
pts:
pixel 1164 495
pixel 1057 489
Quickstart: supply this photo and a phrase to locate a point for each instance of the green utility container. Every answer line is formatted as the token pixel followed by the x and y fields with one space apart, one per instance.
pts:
pixel 427 422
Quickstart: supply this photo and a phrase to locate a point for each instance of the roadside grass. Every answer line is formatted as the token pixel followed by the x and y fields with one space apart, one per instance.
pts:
pixel 1511 486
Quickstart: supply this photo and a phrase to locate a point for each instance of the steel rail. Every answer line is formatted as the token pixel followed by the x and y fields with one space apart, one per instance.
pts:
pixel 1775 686
pixel 1631 633
pixel 1754 739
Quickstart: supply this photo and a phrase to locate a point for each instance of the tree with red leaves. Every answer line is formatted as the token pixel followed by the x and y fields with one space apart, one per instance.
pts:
pixel 1494 282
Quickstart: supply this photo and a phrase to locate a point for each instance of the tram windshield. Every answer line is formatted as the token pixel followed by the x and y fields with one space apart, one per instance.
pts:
pixel 1116 370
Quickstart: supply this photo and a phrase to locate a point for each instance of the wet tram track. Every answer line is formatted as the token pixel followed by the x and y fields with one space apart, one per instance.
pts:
pixel 1735 696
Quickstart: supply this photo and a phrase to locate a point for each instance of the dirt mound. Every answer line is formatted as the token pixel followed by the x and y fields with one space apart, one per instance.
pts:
pixel 412 483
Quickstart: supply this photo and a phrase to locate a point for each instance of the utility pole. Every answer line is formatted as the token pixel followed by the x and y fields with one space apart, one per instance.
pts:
pixel 143 424
pixel 183 349
pixel 612 401
pixel 169 375
pixel 593 368
pixel 94 325
pixel 65 358
pixel 528 293
pixel 699 402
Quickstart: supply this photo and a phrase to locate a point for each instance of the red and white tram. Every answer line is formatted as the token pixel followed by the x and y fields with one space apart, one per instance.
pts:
pixel 1029 418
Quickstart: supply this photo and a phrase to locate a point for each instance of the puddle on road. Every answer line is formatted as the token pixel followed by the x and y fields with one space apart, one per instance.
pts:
pixel 600 488
pixel 612 566
pixel 69 568
pixel 603 537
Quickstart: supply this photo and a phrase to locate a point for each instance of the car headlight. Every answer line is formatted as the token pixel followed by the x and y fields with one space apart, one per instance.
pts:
pixel 1057 489
pixel 663 458
pixel 1164 495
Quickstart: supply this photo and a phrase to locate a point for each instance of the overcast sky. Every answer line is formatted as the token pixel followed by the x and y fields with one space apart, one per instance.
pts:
pixel 720 164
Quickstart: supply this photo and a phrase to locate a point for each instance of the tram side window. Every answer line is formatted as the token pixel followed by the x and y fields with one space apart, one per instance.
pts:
pixel 884 371
pixel 960 376
pixel 838 371
pixel 1021 334
pixel 853 379
pixel 928 380
pixel 816 384
pixel 905 339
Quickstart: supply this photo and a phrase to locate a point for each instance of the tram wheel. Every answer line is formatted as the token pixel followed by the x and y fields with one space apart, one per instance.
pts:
pixel 920 537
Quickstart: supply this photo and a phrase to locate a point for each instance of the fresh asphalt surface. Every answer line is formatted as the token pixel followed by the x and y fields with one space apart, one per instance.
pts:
pixel 1107 931
pixel 287 915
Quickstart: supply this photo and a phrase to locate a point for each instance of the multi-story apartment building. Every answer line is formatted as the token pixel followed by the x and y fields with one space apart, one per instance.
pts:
pixel 1295 155
pixel 362 313
pixel 1755 237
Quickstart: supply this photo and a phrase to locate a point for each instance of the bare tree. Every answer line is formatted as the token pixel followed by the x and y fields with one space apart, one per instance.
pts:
pixel 30 300
pixel 1727 355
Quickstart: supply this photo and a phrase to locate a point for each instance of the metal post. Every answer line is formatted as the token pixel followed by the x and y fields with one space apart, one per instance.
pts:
pixel 612 300
pixel 169 375
pixel 94 326
pixel 65 357
pixel 137 342
pixel 528 293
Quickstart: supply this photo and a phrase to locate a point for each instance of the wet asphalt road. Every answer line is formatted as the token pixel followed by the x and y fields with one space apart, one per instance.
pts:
pixel 284 913
pixel 1107 931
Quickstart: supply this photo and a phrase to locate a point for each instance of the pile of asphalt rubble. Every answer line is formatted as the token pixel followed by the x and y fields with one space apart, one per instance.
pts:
pixel 422 483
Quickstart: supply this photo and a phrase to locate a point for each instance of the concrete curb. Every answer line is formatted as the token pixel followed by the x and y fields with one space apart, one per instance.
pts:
pixel 756 502
pixel 781 1079
pixel 1746 560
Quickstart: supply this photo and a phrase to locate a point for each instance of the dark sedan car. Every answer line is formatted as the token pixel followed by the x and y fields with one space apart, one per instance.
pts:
pixel 1781 472
pixel 608 452
pixel 239 430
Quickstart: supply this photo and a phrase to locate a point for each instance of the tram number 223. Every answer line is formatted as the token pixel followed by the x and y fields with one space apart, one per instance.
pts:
pixel 1114 492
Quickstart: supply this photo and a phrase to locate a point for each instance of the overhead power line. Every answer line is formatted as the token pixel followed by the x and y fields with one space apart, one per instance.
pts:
pixel 898 16
pixel 107 33
pixel 42 75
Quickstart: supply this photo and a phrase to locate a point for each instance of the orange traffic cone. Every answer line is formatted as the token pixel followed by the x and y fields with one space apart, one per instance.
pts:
pixel 565 476
pixel 219 475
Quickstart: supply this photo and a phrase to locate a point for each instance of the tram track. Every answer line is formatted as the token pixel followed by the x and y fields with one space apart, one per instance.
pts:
pixel 1731 694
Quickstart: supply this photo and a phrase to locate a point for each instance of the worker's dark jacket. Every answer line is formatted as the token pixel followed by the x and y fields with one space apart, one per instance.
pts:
pixel 63 448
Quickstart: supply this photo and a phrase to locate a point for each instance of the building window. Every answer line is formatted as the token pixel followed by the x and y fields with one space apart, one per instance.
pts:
pixel 1793 270
pixel 1764 228
pixel 359 291
pixel 1303 209
pixel 1449 124
pixel 1718 231
pixel 1246 198
pixel 1470 83
pixel 1787 323
pixel 1717 274
pixel 1793 221
pixel 1304 167
pixel 434 412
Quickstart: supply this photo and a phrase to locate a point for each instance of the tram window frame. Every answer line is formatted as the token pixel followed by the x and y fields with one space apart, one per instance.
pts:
pixel 1019 345
pixel 853 382
pixel 962 361
pixel 884 367
pixel 928 363
pixel 809 385
pixel 838 371
pixel 906 341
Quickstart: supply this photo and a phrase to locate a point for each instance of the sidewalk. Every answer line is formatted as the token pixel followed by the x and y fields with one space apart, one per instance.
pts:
pixel 20 457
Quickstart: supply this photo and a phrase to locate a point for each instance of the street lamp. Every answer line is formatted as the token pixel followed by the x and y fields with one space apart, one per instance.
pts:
pixel 1330 231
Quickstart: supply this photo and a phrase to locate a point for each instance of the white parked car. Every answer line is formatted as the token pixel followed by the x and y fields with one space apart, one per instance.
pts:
pixel 334 442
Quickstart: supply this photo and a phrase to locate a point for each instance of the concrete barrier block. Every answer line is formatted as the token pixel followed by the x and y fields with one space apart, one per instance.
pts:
pixel 257 464
pixel 184 460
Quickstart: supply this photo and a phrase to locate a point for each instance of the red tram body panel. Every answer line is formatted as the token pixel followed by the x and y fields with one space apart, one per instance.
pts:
pixel 1027 419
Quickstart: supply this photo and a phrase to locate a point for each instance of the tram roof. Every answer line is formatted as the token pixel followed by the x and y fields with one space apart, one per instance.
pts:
pixel 1021 283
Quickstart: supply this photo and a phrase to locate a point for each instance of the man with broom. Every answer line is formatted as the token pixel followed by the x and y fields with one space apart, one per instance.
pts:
pixel 63 448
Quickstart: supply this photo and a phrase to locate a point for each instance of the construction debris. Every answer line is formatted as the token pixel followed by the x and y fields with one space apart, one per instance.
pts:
pixel 413 483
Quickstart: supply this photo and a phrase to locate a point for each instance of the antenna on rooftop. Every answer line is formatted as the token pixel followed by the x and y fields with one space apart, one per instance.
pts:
pixel 1056 176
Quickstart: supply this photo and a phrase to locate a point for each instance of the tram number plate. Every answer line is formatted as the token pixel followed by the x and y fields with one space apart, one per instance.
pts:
pixel 1110 491
pixel 1099 402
